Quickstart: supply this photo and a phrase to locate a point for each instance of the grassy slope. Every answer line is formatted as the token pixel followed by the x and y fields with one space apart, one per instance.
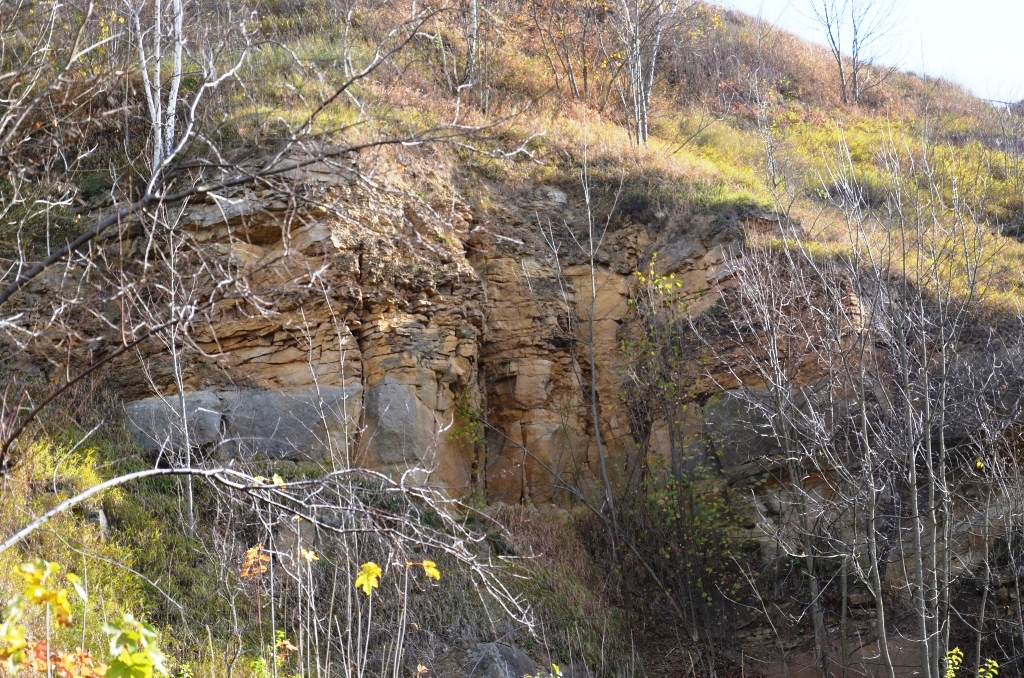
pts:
pixel 712 119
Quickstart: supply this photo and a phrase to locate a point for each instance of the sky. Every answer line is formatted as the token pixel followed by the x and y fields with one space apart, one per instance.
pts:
pixel 977 43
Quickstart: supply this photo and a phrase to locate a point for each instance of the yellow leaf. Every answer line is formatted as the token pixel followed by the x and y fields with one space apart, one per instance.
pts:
pixel 557 670
pixel 369 577
pixel 278 480
pixel 61 607
pixel 35 573
pixel 430 569
pixel 309 556
pixel 253 564
pixel 978 463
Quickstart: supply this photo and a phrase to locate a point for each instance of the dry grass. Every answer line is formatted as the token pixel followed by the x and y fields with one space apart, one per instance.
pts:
pixel 705 131
pixel 579 623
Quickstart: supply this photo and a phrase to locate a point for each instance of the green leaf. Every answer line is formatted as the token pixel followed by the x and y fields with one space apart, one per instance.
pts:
pixel 134 644
pixel 129 665
pixel 157 659
pixel 146 633
pixel 117 633
pixel 15 608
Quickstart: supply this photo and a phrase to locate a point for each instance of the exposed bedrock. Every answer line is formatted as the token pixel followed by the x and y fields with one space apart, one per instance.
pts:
pixel 393 335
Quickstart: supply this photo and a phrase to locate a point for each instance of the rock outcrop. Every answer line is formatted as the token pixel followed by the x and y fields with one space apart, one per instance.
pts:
pixel 371 328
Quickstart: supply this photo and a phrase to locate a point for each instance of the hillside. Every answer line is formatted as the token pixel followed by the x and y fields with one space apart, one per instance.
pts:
pixel 559 337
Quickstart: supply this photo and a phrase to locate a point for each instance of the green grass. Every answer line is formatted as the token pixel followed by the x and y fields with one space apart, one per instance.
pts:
pixel 51 470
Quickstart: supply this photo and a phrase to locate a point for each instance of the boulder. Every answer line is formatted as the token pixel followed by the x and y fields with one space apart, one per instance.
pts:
pixel 158 425
pixel 400 428
pixel 299 424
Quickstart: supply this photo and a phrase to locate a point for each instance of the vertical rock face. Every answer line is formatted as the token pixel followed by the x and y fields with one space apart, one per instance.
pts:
pixel 418 369
pixel 374 331
pixel 536 440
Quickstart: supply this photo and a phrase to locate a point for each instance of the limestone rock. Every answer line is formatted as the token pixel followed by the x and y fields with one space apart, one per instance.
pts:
pixel 159 427
pixel 301 424
pixel 400 430
pixel 387 335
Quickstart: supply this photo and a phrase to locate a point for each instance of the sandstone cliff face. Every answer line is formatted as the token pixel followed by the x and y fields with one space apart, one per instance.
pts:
pixel 401 336
pixel 363 344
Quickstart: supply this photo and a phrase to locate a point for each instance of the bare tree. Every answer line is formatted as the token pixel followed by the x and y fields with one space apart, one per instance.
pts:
pixel 571 32
pixel 639 29
pixel 158 36
pixel 867 376
pixel 856 32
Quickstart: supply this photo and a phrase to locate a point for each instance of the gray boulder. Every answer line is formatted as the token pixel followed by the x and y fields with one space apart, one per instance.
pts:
pixel 159 427
pixel 303 424
pixel 300 424
pixel 401 429
pixel 498 660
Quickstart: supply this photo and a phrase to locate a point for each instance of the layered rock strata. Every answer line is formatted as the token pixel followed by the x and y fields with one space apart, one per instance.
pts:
pixel 378 330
